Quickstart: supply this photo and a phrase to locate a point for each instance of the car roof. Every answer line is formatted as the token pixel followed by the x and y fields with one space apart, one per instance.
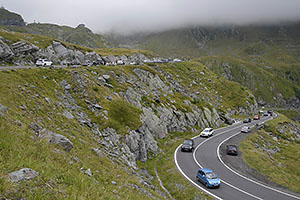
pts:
pixel 206 170
pixel 188 140
pixel 207 128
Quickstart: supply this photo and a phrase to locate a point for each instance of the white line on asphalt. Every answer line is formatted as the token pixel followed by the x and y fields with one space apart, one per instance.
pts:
pixel 190 180
pixel 268 187
pixel 195 159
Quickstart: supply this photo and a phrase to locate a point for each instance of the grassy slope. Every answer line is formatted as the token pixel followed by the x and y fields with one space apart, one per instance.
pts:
pixel 282 167
pixel 58 178
pixel 24 92
pixel 264 83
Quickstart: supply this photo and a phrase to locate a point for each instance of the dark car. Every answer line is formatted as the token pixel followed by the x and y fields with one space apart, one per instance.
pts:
pixel 208 178
pixel 187 145
pixel 231 149
pixel 266 114
pixel 270 112
pixel 248 120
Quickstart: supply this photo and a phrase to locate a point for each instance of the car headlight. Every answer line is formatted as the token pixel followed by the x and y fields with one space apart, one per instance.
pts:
pixel 210 182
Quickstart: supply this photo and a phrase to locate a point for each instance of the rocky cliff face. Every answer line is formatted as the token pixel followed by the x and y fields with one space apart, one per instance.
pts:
pixel 8 18
pixel 151 91
pixel 24 53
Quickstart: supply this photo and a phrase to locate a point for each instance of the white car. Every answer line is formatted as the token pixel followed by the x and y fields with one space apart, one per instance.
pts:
pixel 245 129
pixel 207 132
pixel 120 62
pixel 43 62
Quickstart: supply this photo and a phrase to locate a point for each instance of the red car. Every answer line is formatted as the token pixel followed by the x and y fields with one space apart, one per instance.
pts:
pixel 256 117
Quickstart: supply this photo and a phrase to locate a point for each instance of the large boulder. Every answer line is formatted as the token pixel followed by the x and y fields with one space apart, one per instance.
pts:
pixel 6 53
pixel 60 50
pixel 22 174
pixel 153 81
pixel 132 97
pixel 23 48
pixel 54 138
pixel 153 123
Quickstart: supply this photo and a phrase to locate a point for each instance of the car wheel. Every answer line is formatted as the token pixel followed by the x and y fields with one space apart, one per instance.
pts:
pixel 206 185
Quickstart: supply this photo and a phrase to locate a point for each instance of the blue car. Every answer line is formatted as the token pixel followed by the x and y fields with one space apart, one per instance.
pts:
pixel 208 178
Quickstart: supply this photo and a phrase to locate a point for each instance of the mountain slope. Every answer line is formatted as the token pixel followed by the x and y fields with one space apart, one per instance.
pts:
pixel 10 18
pixel 90 132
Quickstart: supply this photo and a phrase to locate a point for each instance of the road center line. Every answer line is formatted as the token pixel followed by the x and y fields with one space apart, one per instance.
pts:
pixel 196 161
pixel 253 181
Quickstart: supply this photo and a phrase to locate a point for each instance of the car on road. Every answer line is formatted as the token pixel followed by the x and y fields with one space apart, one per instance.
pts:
pixel 270 112
pixel 248 120
pixel 231 149
pixel 43 62
pixel 207 132
pixel 208 178
pixel 266 114
pixel 245 129
pixel 187 145
pixel 256 117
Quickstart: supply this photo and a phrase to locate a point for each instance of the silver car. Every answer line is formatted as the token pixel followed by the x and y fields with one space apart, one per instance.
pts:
pixel 245 129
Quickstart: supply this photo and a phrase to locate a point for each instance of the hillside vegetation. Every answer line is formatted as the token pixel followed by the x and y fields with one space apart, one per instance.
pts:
pixel 111 118
pixel 274 152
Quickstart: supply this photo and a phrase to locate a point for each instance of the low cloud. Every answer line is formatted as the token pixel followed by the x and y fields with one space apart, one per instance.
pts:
pixel 127 16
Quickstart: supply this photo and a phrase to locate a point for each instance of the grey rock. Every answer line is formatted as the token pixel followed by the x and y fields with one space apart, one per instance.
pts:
pixel 106 77
pixel 68 115
pixel 6 54
pixel 22 47
pixel 109 98
pixel 3 110
pixel 54 138
pixel 88 172
pixel 153 123
pixel 132 97
pixel 114 182
pixel 65 85
pixel 97 106
pixel 22 174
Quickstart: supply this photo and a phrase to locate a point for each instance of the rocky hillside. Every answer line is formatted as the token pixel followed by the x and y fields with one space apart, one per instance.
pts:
pixel 25 49
pixel 273 85
pixel 265 58
pixel 8 18
pixel 85 132
pixel 79 35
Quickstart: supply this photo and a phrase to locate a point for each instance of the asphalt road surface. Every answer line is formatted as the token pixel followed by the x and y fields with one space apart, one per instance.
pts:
pixel 233 185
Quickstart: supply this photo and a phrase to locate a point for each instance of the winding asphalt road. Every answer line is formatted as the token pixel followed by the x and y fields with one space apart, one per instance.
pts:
pixel 233 185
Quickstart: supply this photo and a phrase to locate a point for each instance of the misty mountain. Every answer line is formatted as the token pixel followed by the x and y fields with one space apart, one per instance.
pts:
pixel 221 40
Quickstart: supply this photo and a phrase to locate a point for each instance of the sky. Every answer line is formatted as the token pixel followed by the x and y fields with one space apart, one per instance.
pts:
pixel 130 16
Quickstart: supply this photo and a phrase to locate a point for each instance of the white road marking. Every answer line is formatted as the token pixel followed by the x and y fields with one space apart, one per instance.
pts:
pixel 260 184
pixel 190 180
pixel 195 159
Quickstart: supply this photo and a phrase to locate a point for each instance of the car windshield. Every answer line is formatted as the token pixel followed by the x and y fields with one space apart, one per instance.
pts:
pixel 206 130
pixel 211 175
pixel 188 142
pixel 232 147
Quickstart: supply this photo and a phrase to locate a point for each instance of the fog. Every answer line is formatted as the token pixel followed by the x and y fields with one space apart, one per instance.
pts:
pixel 129 16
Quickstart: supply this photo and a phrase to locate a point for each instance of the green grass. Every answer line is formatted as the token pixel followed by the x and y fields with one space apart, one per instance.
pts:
pixel 281 167
pixel 122 114
pixel 59 174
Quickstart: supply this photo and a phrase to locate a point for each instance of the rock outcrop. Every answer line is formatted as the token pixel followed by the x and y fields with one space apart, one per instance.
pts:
pixel 22 174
